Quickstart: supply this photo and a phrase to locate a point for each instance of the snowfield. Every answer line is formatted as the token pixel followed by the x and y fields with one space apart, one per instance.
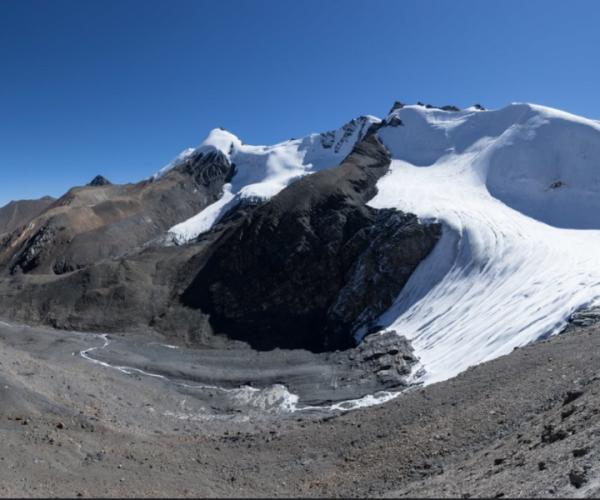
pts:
pixel 263 171
pixel 518 192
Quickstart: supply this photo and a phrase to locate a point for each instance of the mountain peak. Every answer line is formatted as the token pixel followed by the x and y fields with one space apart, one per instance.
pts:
pixel 220 139
pixel 99 180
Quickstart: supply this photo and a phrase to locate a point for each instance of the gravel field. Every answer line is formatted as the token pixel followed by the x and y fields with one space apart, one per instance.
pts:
pixel 525 424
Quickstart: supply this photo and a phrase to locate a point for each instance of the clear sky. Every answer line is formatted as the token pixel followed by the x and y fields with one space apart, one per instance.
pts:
pixel 119 87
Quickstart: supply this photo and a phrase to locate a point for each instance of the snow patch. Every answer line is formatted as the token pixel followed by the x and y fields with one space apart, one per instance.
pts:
pixel 203 221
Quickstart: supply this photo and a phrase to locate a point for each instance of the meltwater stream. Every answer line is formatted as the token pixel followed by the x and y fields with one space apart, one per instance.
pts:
pixel 275 398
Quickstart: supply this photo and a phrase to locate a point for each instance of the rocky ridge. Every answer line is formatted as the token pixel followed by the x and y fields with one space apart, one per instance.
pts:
pixel 18 213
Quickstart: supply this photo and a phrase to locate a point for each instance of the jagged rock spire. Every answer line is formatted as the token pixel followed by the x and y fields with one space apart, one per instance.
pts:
pixel 395 106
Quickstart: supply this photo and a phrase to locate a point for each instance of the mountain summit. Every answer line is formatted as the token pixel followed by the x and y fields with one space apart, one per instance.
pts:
pixel 99 180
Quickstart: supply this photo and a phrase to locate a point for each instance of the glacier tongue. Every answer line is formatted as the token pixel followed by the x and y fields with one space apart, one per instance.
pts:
pixel 513 188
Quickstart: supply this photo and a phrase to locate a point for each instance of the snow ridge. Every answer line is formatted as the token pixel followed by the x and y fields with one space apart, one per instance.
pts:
pixel 263 171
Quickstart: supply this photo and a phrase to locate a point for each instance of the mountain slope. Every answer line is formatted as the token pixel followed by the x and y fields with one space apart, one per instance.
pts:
pixel 18 213
pixel 107 221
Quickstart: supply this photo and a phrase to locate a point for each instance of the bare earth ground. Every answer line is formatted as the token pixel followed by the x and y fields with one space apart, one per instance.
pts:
pixel 526 424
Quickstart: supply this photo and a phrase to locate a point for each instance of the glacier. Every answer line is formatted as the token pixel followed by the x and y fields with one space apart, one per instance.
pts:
pixel 518 192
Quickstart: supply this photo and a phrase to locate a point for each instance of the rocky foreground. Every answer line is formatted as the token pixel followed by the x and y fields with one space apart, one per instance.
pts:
pixel 525 424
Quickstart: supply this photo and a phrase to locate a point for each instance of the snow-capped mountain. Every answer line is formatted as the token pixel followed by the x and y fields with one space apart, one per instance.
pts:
pixel 263 171
pixel 518 192
pixel 328 251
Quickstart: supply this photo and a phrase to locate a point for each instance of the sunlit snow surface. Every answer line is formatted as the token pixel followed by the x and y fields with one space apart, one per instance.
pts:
pixel 203 221
pixel 518 192
pixel 263 171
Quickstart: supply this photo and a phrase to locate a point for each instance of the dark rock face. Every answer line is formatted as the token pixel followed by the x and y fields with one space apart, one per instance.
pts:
pixel 111 295
pixel 395 106
pixel 450 107
pixel 314 266
pixel 393 247
pixel 447 107
pixel 393 121
pixel 208 169
pixel 387 355
pixel 99 181
pixel 358 126
pixel 585 317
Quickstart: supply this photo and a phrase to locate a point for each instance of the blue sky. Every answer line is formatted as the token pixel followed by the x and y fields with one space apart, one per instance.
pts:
pixel 119 87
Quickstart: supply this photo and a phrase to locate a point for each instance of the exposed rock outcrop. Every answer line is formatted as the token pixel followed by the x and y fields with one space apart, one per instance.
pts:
pixel 395 106
pixel 393 121
pixel 386 355
pixel 584 317
pixel 357 127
